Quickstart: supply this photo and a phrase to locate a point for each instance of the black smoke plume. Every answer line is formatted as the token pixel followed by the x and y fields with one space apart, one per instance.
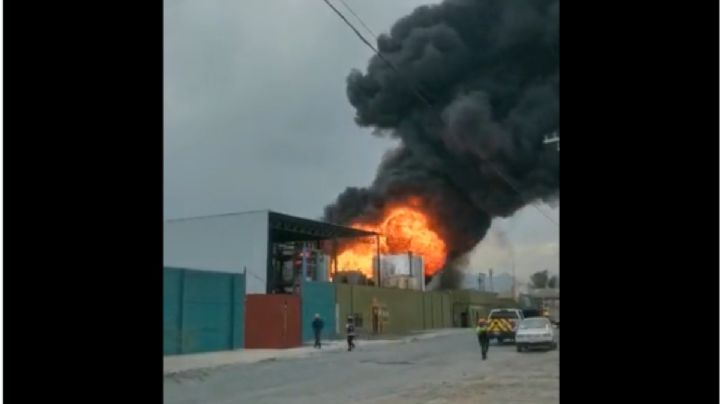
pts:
pixel 473 94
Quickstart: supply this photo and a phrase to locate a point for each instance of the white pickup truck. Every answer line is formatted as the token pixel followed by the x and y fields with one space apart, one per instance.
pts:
pixel 502 323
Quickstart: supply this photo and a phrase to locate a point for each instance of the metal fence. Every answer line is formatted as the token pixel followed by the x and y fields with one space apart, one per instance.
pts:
pixel 203 311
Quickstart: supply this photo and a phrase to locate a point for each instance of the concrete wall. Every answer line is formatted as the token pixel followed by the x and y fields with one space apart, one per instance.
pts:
pixel 227 243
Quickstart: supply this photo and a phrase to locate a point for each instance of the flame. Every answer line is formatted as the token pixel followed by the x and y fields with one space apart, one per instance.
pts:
pixel 403 229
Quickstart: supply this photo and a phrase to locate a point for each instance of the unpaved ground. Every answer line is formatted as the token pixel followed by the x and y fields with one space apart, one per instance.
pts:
pixel 445 369
pixel 539 384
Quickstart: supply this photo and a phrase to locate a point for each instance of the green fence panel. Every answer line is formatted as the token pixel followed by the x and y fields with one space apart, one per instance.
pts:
pixel 203 311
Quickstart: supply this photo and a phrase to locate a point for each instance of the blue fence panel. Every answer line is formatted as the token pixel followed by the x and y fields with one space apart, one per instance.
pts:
pixel 172 310
pixel 238 336
pixel 203 311
pixel 207 312
pixel 318 297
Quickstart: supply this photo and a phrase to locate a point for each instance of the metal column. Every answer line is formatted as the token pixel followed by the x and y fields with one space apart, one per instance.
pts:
pixel 377 250
pixel 304 262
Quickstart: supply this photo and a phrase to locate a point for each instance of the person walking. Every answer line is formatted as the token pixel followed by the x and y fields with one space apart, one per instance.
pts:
pixel 317 326
pixel 483 337
pixel 350 332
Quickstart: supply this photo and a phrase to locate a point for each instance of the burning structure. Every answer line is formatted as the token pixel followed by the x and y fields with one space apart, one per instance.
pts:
pixel 471 89
pixel 404 271
pixel 402 229
pixel 275 250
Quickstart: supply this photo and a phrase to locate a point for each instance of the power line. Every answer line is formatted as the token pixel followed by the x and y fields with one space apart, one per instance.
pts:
pixel 417 92
pixel 359 19
pixel 362 38
pixel 390 64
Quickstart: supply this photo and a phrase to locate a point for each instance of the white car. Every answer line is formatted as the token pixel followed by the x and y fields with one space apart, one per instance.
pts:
pixel 535 332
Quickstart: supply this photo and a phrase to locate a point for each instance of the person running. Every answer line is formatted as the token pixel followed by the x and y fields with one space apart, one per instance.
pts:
pixel 350 332
pixel 483 337
pixel 317 326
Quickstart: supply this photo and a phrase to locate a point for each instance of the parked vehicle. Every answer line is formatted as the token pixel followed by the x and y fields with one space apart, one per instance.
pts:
pixel 503 323
pixel 552 312
pixel 535 332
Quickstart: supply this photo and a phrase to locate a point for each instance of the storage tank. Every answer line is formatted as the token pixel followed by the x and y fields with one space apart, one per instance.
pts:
pixel 407 266
pixel 322 266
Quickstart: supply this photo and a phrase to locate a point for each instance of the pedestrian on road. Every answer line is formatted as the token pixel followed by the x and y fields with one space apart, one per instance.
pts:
pixel 483 337
pixel 317 326
pixel 350 331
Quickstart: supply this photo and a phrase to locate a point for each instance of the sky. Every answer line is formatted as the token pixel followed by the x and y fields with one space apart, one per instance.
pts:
pixel 256 117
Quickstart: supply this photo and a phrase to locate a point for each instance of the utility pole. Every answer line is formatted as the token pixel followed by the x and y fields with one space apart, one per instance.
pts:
pixel 512 270
pixel 513 276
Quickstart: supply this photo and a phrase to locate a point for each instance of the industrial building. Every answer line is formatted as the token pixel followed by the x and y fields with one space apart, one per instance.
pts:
pixel 270 247
pixel 256 279
pixel 236 280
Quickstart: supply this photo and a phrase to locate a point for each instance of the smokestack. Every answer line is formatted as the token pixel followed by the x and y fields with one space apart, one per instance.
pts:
pixel 490 70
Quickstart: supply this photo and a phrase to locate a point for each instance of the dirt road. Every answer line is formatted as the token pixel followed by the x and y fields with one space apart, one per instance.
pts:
pixel 438 370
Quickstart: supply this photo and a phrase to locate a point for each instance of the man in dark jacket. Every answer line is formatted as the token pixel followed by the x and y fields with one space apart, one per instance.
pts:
pixel 483 337
pixel 317 326
pixel 350 331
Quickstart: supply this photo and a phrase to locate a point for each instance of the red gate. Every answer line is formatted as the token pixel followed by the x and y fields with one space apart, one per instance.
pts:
pixel 272 321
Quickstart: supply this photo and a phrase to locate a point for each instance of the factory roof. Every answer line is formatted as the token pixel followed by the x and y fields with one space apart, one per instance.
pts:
pixel 286 228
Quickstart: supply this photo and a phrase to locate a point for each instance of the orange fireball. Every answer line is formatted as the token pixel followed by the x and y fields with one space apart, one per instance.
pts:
pixel 403 229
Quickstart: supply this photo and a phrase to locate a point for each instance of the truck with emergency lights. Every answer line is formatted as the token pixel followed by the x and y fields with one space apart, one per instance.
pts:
pixel 503 323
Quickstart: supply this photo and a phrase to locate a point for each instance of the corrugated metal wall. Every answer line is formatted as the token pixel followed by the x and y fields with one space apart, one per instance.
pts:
pixel 231 243
pixel 203 311
pixel 414 310
pixel 406 310
pixel 172 310
pixel 475 305
pixel 273 321
pixel 427 311
pixel 318 297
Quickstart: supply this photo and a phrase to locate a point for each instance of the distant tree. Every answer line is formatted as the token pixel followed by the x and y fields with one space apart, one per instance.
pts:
pixel 553 282
pixel 539 280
